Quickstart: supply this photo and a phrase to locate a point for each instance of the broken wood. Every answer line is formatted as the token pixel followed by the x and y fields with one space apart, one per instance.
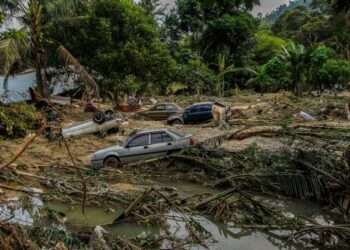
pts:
pixel 133 205
pixel 23 190
pixel 80 175
pixel 254 131
pixel 329 176
pixel 216 197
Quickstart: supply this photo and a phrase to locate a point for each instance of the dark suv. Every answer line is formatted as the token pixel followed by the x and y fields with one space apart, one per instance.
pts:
pixel 196 113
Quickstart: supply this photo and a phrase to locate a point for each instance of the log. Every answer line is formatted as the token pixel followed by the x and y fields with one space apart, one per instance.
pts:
pixel 23 190
pixel 254 131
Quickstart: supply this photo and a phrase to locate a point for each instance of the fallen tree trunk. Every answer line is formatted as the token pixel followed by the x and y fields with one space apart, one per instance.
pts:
pixel 254 131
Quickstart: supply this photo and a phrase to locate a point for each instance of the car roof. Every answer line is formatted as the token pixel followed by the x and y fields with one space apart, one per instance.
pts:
pixel 166 103
pixel 199 103
pixel 202 103
pixel 152 131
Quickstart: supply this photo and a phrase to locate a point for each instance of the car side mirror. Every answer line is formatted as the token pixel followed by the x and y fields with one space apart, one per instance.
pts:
pixel 127 146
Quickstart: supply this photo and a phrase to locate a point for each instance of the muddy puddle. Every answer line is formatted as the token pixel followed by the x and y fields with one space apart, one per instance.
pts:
pixel 33 211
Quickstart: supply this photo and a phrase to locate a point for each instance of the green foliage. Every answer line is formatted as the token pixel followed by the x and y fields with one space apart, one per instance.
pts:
pixel 340 5
pixel 246 4
pixel 338 71
pixel 119 41
pixel 280 10
pixel 297 58
pixel 267 46
pixel 290 22
pixel 318 74
pixel 233 34
pixel 197 76
pixel 16 120
pixel 271 77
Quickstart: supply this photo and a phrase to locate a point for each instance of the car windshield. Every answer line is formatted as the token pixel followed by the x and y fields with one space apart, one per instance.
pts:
pixel 140 140
pixel 176 133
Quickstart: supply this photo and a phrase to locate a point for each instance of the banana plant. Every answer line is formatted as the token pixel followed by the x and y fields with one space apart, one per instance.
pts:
pixel 223 70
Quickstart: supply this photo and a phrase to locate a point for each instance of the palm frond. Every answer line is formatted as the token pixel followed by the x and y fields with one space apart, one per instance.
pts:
pixel 252 71
pixel 58 9
pixel 14 51
pixel 69 59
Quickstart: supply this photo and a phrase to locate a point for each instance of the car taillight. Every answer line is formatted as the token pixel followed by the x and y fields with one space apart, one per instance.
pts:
pixel 192 142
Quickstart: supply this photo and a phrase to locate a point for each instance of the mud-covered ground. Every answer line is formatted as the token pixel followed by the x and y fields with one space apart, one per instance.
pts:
pixel 268 122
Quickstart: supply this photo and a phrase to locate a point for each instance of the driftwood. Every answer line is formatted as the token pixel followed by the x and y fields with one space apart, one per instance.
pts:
pixel 97 240
pixel 23 190
pixel 254 131
pixel 133 205
pixel 80 175
pixel 216 197
pixel 329 176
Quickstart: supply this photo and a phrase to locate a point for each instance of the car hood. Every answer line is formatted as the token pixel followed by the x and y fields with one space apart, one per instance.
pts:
pixel 103 151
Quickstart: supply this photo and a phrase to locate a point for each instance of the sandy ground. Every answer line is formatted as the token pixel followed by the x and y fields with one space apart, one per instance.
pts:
pixel 272 108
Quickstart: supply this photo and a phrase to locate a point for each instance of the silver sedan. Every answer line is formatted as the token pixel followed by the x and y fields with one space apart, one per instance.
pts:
pixel 142 146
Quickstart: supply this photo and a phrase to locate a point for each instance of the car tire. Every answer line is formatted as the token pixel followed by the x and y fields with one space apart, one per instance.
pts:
pixel 144 118
pixel 99 117
pixel 177 122
pixel 109 114
pixel 111 161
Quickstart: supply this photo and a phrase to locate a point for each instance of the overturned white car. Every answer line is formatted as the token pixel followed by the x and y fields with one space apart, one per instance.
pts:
pixel 100 123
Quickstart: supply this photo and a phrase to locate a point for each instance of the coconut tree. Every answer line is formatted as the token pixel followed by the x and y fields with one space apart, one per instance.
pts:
pixel 33 15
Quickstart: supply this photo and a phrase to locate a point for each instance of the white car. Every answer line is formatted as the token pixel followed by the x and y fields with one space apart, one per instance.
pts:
pixel 144 145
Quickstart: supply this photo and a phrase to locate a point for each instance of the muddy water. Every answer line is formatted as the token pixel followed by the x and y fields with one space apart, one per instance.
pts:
pixel 28 212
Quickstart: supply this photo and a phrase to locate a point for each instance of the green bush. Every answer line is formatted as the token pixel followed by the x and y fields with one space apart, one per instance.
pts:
pixel 17 119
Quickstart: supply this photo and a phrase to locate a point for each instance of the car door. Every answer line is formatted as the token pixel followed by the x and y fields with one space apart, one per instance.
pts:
pixel 190 115
pixel 137 149
pixel 170 109
pixel 157 112
pixel 161 144
pixel 204 113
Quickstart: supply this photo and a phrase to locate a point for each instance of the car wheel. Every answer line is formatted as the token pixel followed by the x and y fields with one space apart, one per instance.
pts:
pixel 109 114
pixel 111 161
pixel 99 117
pixel 177 122
pixel 144 118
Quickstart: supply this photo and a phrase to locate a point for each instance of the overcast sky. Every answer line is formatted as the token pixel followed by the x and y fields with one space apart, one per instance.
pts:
pixel 265 7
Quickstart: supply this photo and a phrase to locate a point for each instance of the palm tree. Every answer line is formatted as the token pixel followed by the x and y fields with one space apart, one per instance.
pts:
pixel 297 58
pixel 33 15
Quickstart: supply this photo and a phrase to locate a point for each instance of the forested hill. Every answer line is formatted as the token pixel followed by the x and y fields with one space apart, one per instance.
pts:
pixel 275 14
